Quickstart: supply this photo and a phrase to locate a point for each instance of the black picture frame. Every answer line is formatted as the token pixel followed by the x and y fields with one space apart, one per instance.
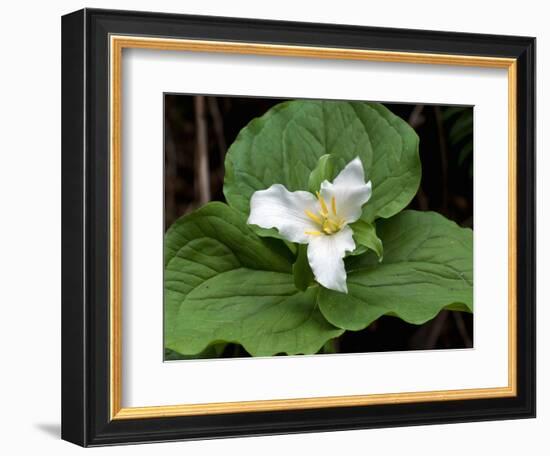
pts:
pixel 85 223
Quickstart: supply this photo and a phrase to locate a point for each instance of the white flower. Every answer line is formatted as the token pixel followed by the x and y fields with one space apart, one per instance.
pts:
pixel 322 222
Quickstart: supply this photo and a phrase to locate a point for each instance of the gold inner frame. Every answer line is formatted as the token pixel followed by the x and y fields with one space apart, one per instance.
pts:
pixel 117 44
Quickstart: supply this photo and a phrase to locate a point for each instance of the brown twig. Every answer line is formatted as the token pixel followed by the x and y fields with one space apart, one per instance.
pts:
pixel 218 126
pixel 202 173
pixel 416 118
pixel 459 320
pixel 469 222
pixel 422 199
pixel 437 327
pixel 444 158
pixel 170 175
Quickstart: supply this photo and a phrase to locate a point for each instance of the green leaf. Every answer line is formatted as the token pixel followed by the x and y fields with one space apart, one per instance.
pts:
pixel 465 151
pixel 450 111
pixel 209 241
pixel 212 351
pixel 325 170
pixel 364 234
pixel 285 144
pixel 396 169
pixel 303 275
pixel 224 226
pixel 261 310
pixel 223 283
pixel 462 127
pixel 427 267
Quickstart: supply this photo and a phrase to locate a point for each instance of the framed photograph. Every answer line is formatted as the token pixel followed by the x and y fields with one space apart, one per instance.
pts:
pixel 277 227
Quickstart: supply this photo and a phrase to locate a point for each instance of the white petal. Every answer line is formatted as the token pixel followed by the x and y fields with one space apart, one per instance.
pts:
pixel 349 191
pixel 326 253
pixel 278 208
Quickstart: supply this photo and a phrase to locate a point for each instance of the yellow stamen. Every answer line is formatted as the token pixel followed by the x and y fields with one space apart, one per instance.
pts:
pixel 313 233
pixel 333 205
pixel 328 223
pixel 324 208
pixel 331 226
pixel 314 217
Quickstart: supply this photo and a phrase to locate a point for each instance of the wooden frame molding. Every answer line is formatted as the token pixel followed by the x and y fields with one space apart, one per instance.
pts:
pixel 116 46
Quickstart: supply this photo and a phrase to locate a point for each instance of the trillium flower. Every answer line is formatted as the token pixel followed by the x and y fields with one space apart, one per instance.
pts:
pixel 321 221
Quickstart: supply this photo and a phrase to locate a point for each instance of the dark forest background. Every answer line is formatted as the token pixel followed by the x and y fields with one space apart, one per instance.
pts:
pixel 199 130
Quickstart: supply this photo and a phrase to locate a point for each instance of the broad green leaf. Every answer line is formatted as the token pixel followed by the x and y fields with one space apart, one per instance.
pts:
pixel 325 170
pixel 364 234
pixel 209 241
pixel 285 144
pixel 396 170
pixel 261 310
pixel 212 351
pixel 223 283
pixel 303 275
pixel 220 223
pixel 427 267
